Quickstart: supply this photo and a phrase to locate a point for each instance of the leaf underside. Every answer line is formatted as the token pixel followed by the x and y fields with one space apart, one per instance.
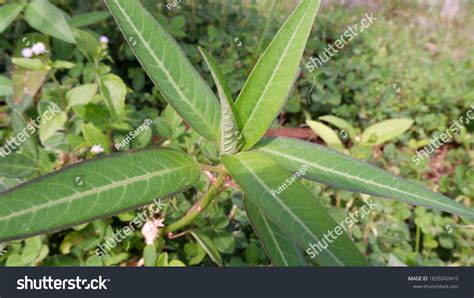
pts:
pixel 342 171
pixel 294 210
pixel 168 67
pixel 270 82
pixel 281 250
pixel 93 189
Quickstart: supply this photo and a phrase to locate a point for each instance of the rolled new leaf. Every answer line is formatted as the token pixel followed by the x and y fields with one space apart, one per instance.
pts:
pixel 270 82
pixel 228 128
pixel 294 209
pixel 342 171
pixel 168 67
pixel 280 248
pixel 93 189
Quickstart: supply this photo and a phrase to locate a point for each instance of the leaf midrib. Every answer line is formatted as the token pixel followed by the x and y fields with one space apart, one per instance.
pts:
pixel 259 101
pixel 97 190
pixel 161 65
pixel 352 177
pixel 279 201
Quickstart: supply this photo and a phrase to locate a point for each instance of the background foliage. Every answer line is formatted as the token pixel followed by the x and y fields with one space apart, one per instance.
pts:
pixel 411 63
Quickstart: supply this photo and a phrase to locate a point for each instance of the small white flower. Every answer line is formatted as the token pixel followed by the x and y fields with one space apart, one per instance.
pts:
pixel 97 149
pixel 27 52
pixel 39 48
pixel 104 39
pixel 150 230
pixel 159 222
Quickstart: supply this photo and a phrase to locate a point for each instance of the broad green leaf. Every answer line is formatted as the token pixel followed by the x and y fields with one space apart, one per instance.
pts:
pixel 59 64
pixel 149 255
pixel 293 209
pixel 93 189
pixel 228 129
pixel 168 67
pixel 162 260
pixel 281 250
pixel 143 137
pixel 224 242
pixel 15 165
pixel 6 86
pixel 24 133
pixel 50 122
pixel 94 261
pixel 94 136
pixel 14 260
pixel 33 64
pixel 386 130
pixel 48 19
pixel 209 247
pixel 81 95
pixel 8 14
pixel 270 82
pixel 176 263
pixel 342 171
pixel 327 134
pixel 114 91
pixel 88 18
pixel 251 254
pixel 87 44
pixel 342 124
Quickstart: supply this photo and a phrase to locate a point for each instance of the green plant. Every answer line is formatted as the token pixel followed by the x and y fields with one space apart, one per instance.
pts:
pixel 285 222
pixel 362 142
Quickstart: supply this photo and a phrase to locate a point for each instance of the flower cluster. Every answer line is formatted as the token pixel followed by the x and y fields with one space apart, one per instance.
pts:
pixel 37 49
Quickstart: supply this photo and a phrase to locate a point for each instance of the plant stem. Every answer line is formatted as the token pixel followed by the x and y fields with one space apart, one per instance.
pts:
pixel 417 243
pixel 197 208
pixel 212 169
